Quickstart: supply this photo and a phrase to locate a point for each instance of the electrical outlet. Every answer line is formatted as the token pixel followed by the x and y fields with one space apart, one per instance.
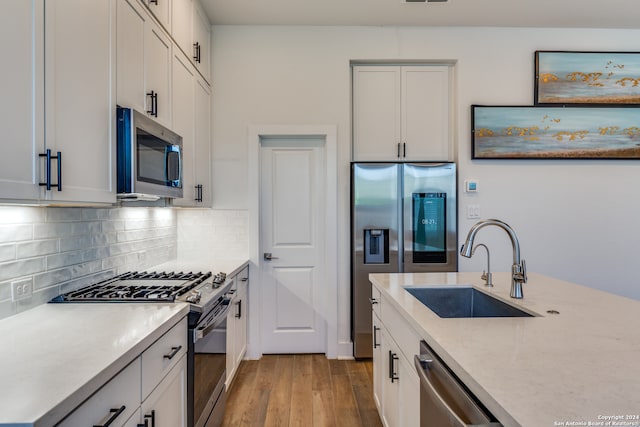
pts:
pixel 473 211
pixel 21 289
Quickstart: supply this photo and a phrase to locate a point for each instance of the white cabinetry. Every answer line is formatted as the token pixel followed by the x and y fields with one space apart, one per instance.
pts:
pixel 152 387
pixel 396 383
pixel 237 325
pixel 144 63
pixel 79 94
pixel 70 74
pixel 161 9
pixel 401 113
pixel 191 31
pixel 20 105
pixel 117 401
pixel 191 120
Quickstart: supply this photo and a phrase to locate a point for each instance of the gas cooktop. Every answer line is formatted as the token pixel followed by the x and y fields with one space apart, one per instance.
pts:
pixel 141 287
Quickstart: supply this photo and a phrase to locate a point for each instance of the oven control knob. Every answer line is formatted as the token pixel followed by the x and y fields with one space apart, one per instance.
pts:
pixel 194 297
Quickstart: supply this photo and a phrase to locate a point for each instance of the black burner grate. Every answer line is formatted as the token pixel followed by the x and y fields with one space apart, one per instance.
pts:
pixel 139 287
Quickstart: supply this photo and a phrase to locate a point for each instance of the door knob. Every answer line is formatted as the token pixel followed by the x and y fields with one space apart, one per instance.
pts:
pixel 269 257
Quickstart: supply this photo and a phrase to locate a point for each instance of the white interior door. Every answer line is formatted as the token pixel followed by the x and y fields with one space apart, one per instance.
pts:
pixel 292 231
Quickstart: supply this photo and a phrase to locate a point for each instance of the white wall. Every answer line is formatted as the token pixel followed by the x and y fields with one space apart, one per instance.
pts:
pixel 576 220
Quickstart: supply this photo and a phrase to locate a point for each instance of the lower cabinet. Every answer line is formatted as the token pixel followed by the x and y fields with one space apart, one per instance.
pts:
pixel 122 401
pixel 166 406
pixel 396 385
pixel 237 325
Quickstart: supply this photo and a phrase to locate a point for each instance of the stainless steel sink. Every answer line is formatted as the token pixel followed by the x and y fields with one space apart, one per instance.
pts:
pixel 464 302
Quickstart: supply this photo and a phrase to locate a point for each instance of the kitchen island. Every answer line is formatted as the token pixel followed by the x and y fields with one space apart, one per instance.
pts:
pixel 577 361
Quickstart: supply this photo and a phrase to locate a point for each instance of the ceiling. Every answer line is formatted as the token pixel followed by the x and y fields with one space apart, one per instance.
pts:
pixel 492 13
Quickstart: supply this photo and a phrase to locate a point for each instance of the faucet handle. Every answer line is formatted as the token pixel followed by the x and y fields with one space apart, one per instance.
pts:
pixel 524 271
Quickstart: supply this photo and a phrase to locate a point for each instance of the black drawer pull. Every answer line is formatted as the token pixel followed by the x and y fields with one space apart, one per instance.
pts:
pixel 174 351
pixel 239 312
pixel 114 413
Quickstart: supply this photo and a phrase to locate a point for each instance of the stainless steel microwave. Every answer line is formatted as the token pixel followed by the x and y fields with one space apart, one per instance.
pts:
pixel 149 158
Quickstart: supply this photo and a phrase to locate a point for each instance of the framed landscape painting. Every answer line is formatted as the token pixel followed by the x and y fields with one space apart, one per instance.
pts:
pixel 525 132
pixel 563 77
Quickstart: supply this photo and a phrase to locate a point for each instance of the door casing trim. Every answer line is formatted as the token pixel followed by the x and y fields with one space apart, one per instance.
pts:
pixel 330 307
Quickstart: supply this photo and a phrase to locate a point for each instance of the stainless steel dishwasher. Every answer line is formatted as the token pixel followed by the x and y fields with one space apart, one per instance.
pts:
pixel 444 401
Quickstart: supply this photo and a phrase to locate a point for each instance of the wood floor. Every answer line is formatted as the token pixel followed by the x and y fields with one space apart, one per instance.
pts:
pixel 302 390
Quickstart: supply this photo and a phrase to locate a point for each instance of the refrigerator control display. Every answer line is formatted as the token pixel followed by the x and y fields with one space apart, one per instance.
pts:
pixel 429 228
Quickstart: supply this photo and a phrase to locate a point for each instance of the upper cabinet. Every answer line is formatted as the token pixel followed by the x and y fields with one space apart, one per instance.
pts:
pixel 161 10
pixel 60 117
pixel 21 101
pixel 144 63
pixel 191 120
pixel 401 113
pixel 190 29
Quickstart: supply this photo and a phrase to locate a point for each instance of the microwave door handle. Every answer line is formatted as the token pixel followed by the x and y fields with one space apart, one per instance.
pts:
pixel 179 166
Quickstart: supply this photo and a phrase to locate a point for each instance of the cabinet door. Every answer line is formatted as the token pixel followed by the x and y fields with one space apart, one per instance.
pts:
pixel 167 405
pixel 183 101
pixel 161 9
pixel 157 68
pixel 240 312
pixel 182 24
pixel 390 403
pixel 425 112
pixel 408 393
pixel 131 23
pixel 79 97
pixel 201 37
pixel 376 113
pixel 203 142
pixel 378 363
pixel 20 111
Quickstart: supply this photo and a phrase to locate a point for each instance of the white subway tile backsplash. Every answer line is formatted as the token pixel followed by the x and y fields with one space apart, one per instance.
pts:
pixel 37 248
pixel 66 248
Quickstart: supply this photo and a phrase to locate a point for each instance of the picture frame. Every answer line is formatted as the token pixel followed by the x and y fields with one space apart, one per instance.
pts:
pixel 553 132
pixel 586 78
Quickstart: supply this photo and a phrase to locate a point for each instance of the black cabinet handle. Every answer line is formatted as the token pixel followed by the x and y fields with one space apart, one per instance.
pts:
pixel 153 2
pixel 47 169
pixel 196 52
pixel 373 301
pixel 152 417
pixel 398 150
pixel 174 351
pixel 392 373
pixel 404 149
pixel 113 414
pixel 375 337
pixel 239 313
pixel 199 193
pixel 154 103
pixel 244 279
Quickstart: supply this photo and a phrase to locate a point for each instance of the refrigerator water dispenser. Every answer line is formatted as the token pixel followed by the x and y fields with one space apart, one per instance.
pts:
pixel 376 246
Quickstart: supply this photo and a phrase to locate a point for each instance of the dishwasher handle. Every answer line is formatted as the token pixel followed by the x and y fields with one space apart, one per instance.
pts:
pixel 426 386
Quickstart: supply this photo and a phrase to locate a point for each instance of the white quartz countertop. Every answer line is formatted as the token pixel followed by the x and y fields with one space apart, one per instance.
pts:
pixel 577 367
pixel 55 356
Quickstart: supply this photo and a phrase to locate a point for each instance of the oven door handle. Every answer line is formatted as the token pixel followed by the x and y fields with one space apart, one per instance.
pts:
pixel 204 330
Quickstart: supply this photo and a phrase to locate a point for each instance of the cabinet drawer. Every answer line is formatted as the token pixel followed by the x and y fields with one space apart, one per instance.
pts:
pixel 406 338
pixel 121 394
pixel 242 280
pixel 158 359
pixel 376 300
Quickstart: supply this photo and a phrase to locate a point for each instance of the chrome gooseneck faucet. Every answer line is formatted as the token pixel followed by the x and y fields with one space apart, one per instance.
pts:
pixel 518 269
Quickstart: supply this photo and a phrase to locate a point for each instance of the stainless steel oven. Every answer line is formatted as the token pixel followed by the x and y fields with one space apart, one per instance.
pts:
pixel 207 374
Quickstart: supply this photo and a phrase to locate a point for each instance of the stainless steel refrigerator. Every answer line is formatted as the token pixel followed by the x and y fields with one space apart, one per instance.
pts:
pixel 403 219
